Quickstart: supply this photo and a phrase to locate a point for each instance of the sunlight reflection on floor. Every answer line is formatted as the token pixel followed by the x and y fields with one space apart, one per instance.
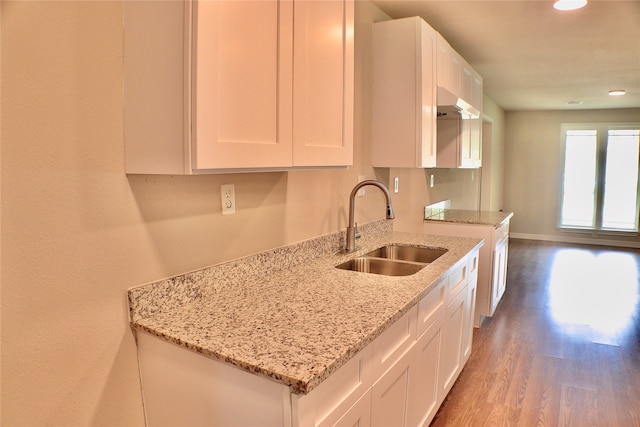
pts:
pixel 598 290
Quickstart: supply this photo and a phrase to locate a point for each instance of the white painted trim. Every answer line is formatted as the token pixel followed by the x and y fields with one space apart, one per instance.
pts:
pixel 581 240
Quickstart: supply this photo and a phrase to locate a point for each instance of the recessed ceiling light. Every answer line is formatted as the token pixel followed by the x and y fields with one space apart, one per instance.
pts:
pixel 569 4
pixel 618 92
pixel 576 102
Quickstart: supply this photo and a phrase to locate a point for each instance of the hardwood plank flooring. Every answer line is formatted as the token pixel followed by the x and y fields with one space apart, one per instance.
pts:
pixel 563 348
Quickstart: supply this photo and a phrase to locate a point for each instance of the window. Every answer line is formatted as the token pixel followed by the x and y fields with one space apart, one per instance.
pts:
pixel 600 187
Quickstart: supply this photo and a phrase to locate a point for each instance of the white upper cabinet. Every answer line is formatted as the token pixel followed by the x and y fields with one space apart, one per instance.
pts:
pixel 241 88
pixel 477 92
pixel 459 139
pixel 264 84
pixel 456 77
pixel 415 70
pixel 459 143
pixel 323 83
pixel 404 93
pixel 449 67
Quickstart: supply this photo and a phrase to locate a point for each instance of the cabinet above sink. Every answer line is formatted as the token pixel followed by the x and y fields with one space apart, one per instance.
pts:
pixel 237 86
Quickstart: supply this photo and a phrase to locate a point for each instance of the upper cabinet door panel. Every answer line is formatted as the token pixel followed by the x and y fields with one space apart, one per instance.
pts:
pixel 323 83
pixel 242 65
pixel 442 61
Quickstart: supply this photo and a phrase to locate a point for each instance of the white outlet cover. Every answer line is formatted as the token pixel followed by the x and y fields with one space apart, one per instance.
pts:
pixel 228 199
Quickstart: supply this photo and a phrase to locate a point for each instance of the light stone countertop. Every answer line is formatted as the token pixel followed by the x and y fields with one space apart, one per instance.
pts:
pixel 289 314
pixel 493 218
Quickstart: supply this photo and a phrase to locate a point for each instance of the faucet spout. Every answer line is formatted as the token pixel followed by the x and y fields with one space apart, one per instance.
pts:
pixel 351 229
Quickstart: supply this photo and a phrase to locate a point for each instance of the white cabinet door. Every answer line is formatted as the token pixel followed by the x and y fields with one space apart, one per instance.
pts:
pixel 359 415
pixel 467 339
pixel 459 143
pixel 404 93
pixel 477 98
pixel 323 83
pixel 455 72
pixel 442 62
pixel 499 279
pixel 242 73
pixel 390 394
pixel 451 361
pixel 467 83
pixel 475 136
pixel 425 402
pixel 465 141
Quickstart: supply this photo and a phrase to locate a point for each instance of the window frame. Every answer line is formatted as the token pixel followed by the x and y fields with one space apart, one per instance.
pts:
pixel 601 151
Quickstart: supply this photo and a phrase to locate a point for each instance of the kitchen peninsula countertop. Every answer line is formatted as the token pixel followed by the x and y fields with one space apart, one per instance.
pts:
pixel 289 314
pixel 494 218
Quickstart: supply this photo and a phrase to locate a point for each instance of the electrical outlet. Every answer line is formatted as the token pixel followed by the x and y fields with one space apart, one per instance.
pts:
pixel 228 199
pixel 396 182
pixel 431 181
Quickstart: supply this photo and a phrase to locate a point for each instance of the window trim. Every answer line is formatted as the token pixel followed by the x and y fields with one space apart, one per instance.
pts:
pixel 601 129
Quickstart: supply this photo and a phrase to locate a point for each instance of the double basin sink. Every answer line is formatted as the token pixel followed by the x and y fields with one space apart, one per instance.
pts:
pixel 394 260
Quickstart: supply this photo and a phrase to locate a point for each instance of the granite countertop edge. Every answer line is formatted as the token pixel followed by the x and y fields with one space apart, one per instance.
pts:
pixel 293 324
pixel 464 216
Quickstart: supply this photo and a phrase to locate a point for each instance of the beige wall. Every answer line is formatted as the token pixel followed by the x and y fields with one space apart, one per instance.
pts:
pixel 465 188
pixel 533 167
pixel 460 186
pixel 492 188
pixel 77 232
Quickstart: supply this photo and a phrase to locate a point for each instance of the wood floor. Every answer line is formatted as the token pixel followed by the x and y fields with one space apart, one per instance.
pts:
pixel 563 348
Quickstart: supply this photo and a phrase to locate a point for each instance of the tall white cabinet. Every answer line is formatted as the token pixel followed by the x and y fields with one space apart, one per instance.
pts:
pixel 220 86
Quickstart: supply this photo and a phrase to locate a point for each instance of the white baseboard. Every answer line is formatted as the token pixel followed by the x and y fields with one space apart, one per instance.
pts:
pixel 580 240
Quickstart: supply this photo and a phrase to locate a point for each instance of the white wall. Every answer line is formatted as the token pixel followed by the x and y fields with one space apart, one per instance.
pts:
pixel 533 168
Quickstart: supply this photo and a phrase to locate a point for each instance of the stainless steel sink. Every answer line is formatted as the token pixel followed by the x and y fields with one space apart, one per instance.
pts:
pixel 382 266
pixel 394 260
pixel 420 254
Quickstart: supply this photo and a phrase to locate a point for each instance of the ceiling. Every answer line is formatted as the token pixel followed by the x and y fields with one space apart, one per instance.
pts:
pixel 533 57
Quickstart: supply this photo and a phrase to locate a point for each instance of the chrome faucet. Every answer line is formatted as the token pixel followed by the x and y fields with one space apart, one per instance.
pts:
pixel 353 228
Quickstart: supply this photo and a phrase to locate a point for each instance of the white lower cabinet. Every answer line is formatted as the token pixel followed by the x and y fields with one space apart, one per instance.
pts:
pixel 492 264
pixel 400 379
pixel 391 393
pixel 359 415
pixel 427 355
pixel 451 362
pixel 470 313
pixel 499 278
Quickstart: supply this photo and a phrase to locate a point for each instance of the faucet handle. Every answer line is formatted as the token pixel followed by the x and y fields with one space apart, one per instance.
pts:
pixel 357 232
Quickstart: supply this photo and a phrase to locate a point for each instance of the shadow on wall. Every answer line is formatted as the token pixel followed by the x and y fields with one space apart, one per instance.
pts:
pixel 184 221
pixel 163 197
